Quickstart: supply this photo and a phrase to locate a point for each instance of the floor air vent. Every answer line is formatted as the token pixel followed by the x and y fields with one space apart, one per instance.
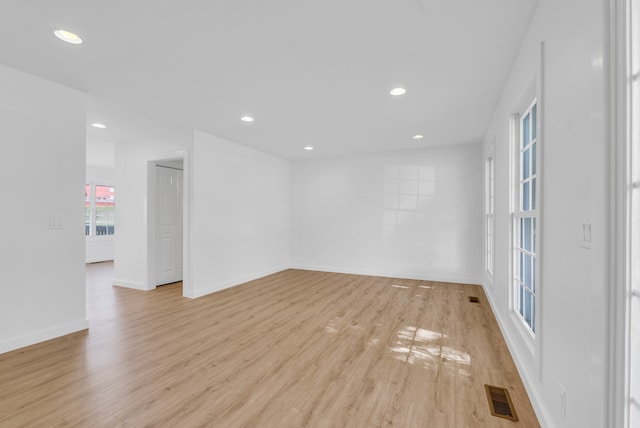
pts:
pixel 500 403
pixel 474 299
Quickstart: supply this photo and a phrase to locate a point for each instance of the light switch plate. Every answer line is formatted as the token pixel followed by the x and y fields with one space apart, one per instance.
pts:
pixel 55 223
pixel 584 233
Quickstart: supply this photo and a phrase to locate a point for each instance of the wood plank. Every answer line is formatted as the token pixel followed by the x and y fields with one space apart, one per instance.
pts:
pixel 297 348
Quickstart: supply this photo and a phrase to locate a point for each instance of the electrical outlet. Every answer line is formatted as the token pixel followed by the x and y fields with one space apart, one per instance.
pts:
pixel 563 400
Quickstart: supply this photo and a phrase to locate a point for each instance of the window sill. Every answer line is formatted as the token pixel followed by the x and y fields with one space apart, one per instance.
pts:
pixel 487 281
pixel 99 238
pixel 527 337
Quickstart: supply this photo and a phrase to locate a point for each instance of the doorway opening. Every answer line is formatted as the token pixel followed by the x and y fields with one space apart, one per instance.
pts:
pixel 167 221
pixel 169 230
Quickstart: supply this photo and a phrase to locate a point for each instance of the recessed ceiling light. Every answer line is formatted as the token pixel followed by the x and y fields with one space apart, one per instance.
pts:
pixel 246 119
pixel 417 137
pixel 308 148
pixel 68 36
pixel 98 125
pixel 397 91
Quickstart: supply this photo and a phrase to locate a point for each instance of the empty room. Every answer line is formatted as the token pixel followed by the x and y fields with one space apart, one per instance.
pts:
pixel 410 213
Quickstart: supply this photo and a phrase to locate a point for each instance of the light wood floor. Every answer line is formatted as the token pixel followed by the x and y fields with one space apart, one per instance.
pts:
pixel 294 349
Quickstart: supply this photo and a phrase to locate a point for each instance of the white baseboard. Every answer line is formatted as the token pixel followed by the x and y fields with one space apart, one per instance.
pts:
pixel 129 284
pixel 42 335
pixel 518 354
pixel 212 288
pixel 203 291
pixel 386 274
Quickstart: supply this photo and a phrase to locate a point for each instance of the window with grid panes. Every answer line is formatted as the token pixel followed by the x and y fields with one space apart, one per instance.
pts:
pixel 526 222
pixel 99 210
pixel 489 214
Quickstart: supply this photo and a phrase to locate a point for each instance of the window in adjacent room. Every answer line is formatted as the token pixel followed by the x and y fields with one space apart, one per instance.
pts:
pixel 99 208
pixel 87 209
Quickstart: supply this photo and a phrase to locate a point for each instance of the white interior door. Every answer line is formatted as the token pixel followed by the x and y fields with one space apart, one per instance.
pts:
pixel 168 225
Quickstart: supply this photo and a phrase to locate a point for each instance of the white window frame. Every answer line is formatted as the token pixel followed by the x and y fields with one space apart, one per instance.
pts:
pixel 624 322
pixel 92 204
pixel 490 218
pixel 519 214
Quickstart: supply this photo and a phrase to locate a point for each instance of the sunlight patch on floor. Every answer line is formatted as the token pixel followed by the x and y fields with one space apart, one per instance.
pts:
pixel 421 347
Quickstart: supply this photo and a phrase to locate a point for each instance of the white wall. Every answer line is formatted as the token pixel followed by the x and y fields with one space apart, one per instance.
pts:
pixel 572 345
pixel 414 214
pixel 100 154
pixel 42 132
pixel 100 248
pixel 239 214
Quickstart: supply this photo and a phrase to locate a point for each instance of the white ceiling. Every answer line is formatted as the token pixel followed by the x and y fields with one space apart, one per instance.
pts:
pixel 310 72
